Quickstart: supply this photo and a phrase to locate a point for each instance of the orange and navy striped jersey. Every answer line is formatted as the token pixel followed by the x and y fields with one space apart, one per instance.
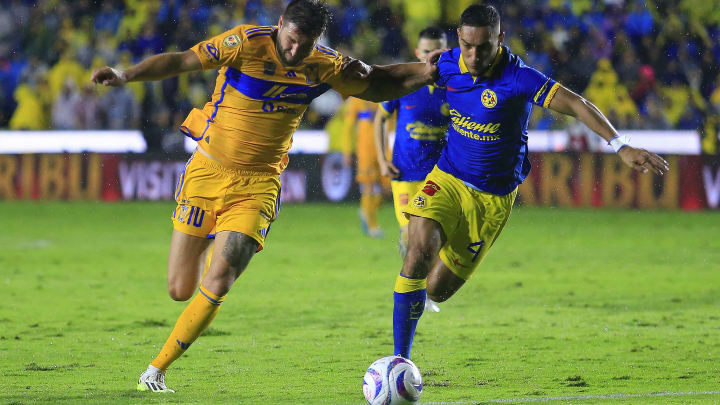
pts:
pixel 258 102
pixel 359 120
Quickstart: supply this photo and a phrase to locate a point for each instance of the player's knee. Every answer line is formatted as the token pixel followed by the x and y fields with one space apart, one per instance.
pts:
pixel 418 262
pixel 438 296
pixel 420 255
pixel 180 292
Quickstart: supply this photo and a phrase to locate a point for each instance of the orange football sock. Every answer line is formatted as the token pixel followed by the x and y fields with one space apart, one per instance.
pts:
pixel 196 317
pixel 370 214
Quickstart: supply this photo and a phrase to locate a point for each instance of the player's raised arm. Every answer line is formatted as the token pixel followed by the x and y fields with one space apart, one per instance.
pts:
pixel 156 67
pixel 389 82
pixel 570 103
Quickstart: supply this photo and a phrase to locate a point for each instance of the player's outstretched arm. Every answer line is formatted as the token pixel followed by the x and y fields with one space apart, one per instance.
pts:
pixel 570 103
pixel 393 81
pixel 156 67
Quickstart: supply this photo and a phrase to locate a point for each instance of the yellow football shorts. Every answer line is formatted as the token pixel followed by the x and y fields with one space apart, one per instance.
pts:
pixel 403 191
pixel 471 219
pixel 212 198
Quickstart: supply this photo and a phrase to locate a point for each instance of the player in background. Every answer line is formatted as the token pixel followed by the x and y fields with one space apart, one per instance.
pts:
pixel 230 188
pixel 359 116
pixel 422 119
pixel 466 199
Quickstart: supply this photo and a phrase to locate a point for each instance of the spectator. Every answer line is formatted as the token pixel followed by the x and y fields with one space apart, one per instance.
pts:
pixel 123 110
pixel 30 111
pixel 108 19
pixel 64 109
pixel 608 95
pixel 67 68
pixel 89 111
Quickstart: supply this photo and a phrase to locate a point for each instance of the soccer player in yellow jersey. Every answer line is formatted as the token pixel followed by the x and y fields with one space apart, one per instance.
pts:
pixel 230 187
pixel 359 116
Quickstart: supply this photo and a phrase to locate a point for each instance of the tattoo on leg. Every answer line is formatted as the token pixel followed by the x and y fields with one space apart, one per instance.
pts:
pixel 238 250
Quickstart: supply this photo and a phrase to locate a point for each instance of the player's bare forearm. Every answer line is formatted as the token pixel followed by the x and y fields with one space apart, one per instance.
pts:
pixel 567 102
pixel 394 81
pixel 164 65
pixel 156 67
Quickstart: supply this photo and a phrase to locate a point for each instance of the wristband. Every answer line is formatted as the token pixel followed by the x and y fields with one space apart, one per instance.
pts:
pixel 618 143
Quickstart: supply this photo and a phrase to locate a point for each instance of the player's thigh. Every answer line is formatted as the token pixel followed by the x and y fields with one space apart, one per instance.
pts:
pixel 425 239
pixel 184 260
pixel 484 217
pixel 442 283
pixel 402 192
pixel 231 255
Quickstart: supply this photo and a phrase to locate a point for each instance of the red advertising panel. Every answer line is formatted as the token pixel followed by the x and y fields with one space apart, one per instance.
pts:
pixel 557 179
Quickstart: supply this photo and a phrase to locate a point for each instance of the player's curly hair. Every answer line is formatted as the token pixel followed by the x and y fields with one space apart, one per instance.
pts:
pixel 480 15
pixel 310 16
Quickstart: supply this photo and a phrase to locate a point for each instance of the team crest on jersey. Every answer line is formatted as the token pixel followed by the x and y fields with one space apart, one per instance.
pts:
pixel 183 213
pixel 419 201
pixel 231 41
pixel 488 98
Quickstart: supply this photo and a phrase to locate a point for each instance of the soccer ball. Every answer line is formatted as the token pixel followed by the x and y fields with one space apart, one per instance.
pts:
pixel 392 380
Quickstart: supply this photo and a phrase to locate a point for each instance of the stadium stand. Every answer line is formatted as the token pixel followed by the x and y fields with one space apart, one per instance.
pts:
pixel 649 65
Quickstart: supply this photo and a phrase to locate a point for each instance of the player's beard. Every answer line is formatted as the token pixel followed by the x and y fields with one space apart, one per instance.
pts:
pixel 281 55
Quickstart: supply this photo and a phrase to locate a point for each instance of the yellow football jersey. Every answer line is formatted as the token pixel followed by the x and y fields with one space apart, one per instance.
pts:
pixel 258 102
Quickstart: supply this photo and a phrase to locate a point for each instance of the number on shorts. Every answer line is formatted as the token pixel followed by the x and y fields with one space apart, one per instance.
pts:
pixel 477 251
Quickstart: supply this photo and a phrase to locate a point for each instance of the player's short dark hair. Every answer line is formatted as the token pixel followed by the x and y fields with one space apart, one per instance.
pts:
pixel 310 16
pixel 480 15
pixel 433 33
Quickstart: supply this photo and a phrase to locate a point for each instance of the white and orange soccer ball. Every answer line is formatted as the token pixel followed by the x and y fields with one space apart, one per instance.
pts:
pixel 392 380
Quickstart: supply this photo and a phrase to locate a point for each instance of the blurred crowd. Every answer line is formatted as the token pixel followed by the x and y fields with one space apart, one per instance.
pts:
pixel 647 64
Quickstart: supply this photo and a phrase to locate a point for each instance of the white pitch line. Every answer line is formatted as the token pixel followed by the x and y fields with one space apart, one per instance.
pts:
pixel 576 397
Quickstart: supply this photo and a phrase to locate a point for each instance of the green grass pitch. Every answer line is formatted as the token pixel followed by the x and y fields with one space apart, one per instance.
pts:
pixel 568 303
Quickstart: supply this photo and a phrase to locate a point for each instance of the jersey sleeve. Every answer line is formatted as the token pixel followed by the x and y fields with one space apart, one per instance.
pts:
pixel 535 86
pixel 345 86
pixel 221 50
pixel 443 72
pixel 389 107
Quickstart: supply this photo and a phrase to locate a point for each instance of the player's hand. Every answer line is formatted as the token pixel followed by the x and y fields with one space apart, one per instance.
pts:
pixel 431 67
pixel 109 77
pixel 347 160
pixel 642 160
pixel 355 68
pixel 387 169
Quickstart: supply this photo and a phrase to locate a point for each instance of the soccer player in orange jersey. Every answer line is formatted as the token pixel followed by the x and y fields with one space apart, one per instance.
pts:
pixel 230 187
pixel 359 116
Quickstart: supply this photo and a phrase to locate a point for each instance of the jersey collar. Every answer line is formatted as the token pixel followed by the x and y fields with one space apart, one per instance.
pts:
pixel 489 71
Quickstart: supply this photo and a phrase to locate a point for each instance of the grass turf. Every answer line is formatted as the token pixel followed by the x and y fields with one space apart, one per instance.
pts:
pixel 568 303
